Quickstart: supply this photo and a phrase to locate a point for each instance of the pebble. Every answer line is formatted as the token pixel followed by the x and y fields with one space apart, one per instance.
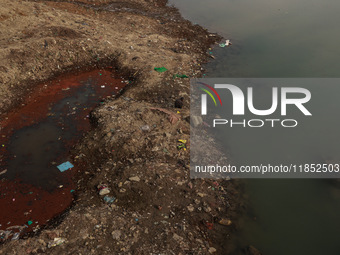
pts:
pixel 116 234
pixel 134 178
pixel 201 194
pixel 190 208
pixel 225 222
pixel 177 237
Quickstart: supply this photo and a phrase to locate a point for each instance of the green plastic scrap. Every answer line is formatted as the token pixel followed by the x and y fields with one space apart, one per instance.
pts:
pixel 181 146
pixel 160 69
pixel 180 76
pixel 222 45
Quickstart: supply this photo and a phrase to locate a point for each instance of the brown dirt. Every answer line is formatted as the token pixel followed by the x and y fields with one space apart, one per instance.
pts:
pixel 162 211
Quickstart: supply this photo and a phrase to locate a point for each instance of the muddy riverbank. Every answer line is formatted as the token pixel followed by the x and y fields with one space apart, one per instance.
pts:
pixel 133 144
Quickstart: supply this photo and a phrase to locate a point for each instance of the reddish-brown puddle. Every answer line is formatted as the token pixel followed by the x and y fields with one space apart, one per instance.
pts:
pixel 37 137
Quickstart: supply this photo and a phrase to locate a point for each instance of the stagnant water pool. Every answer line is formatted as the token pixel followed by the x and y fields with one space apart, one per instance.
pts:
pixel 36 137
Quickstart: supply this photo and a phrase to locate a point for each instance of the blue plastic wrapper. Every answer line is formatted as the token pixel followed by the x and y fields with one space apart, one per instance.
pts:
pixel 65 166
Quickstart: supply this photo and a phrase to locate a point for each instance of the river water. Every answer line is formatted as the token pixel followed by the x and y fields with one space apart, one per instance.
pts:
pixel 284 39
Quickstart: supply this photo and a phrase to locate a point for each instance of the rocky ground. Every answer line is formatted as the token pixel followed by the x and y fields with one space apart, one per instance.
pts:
pixel 132 148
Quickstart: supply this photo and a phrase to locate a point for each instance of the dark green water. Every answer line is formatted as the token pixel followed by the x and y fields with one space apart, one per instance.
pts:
pixel 284 39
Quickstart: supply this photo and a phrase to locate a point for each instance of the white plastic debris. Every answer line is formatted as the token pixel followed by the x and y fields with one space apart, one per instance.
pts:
pixel 57 241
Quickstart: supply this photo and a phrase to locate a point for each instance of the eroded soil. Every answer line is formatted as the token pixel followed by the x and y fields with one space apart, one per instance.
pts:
pixel 132 146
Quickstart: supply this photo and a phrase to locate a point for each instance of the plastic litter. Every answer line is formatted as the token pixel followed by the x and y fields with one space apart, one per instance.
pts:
pixel 29 222
pixel 4 234
pixel 16 236
pixel 65 166
pixel 103 189
pixel 108 199
pixel 210 225
pixel 57 241
pixel 182 144
pixel 160 69
pixel 180 76
pixel 145 128
pixel 226 44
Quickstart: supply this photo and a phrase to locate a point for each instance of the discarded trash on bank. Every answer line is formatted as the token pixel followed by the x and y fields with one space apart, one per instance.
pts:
pixel 226 44
pixel 182 144
pixel 180 76
pixel 57 241
pixel 109 200
pixel 103 189
pixel 65 166
pixel 160 69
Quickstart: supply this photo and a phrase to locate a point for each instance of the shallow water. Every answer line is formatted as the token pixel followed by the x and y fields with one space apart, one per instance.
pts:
pixel 38 136
pixel 279 39
pixel 294 38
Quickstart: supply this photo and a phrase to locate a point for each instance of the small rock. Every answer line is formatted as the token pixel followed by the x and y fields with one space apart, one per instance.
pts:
pixel 190 208
pixel 134 178
pixel 177 237
pixel 145 128
pixel 42 242
pixel 207 209
pixel 116 234
pixel 225 222
pixel 212 250
pixel 201 194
